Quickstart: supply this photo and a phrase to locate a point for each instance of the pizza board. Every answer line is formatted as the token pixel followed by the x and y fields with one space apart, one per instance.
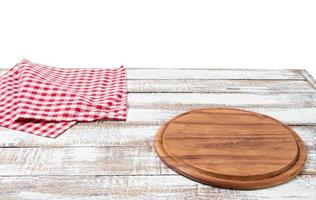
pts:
pixel 231 148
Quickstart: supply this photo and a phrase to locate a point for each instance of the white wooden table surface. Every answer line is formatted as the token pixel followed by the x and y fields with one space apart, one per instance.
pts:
pixel 117 160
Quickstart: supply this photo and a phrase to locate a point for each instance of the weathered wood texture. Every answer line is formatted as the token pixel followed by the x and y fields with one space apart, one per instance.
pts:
pixel 199 74
pixel 290 116
pixel 117 160
pixel 219 86
pixel 181 100
pixel 93 161
pixel 143 187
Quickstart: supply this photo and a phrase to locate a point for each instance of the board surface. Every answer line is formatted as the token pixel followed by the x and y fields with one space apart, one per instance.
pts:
pixel 231 148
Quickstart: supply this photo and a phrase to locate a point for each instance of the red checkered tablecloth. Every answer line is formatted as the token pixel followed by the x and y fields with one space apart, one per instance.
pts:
pixel 46 101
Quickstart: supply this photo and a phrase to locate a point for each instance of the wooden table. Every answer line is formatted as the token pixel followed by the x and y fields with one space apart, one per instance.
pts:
pixel 117 160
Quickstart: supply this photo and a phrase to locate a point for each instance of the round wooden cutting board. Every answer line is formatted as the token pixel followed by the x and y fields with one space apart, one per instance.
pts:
pixel 231 148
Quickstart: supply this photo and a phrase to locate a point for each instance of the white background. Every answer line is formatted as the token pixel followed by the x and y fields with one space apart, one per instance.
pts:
pixel 172 33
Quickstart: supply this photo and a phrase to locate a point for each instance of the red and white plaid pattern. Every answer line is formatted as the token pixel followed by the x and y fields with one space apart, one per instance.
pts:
pixel 46 101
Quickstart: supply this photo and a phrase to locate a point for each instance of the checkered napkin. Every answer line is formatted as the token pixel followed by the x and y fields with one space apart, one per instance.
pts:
pixel 46 101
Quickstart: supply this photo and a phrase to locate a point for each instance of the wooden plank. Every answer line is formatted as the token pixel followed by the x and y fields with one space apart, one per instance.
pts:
pixel 143 187
pixel 166 100
pixel 102 133
pixel 81 161
pixel 290 116
pixel 94 161
pixel 151 73
pixel 219 86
